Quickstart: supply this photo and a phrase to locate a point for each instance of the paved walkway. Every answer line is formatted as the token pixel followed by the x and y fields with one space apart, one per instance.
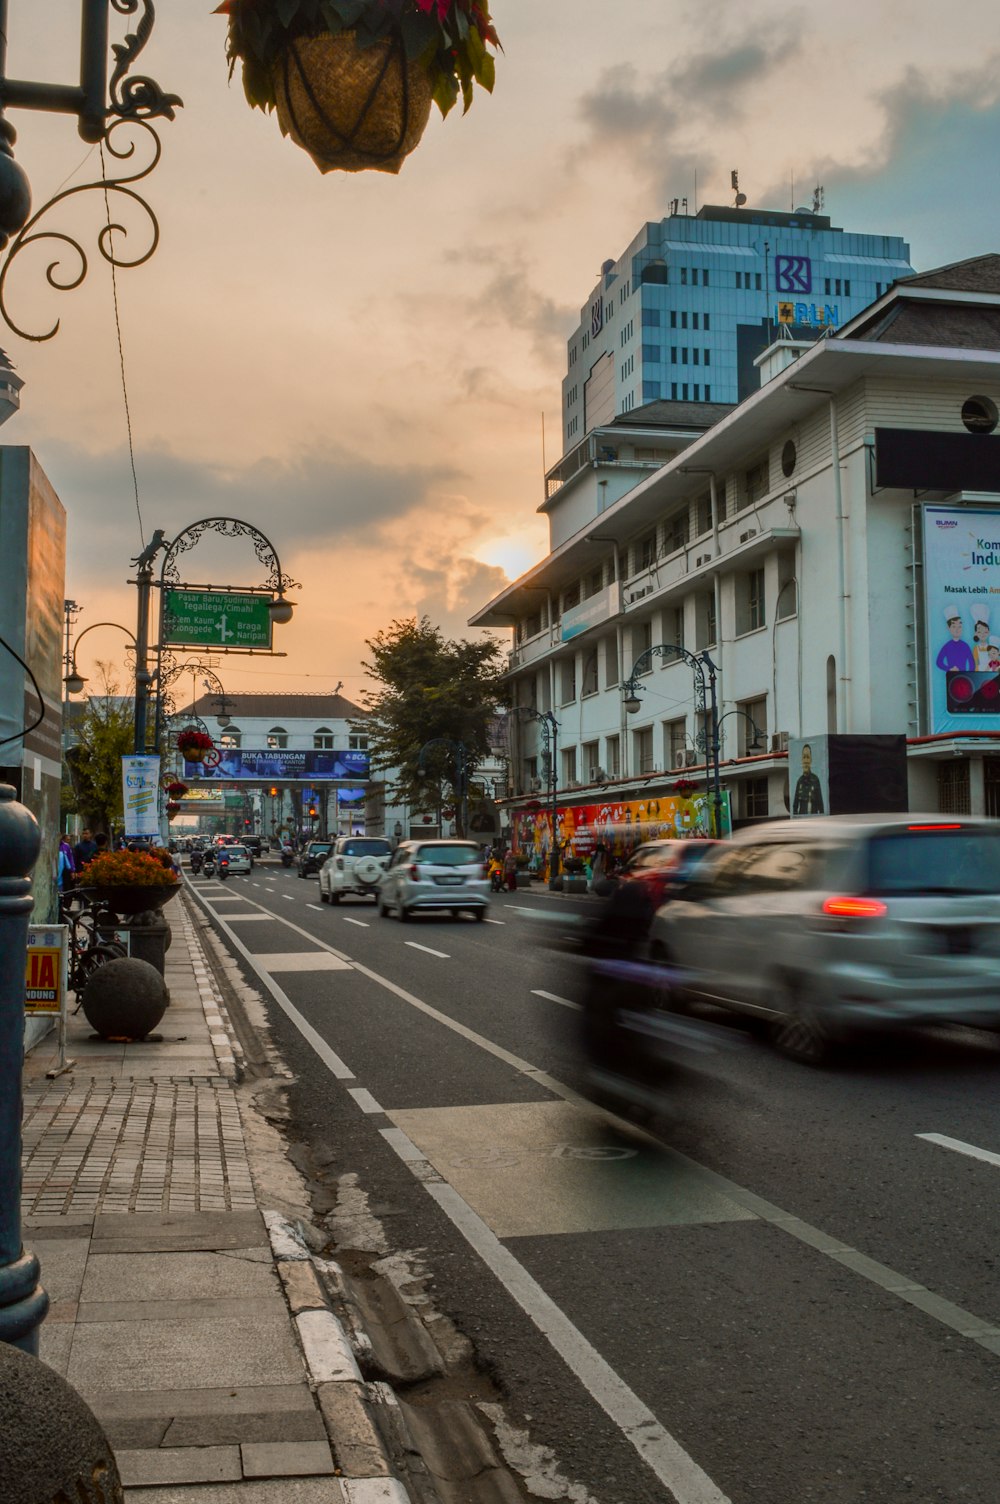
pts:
pixel 192 1324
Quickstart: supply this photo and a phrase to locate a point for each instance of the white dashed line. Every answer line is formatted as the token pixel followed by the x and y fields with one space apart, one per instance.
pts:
pixel 364 1099
pixel 551 997
pixel 495 921
pixel 959 1147
pixel 289 896
pixel 361 923
pixel 315 906
pixel 414 946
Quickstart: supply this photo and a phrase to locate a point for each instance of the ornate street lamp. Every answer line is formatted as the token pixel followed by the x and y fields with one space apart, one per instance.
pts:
pixel 758 742
pixel 699 663
pixel 102 107
pixel 73 679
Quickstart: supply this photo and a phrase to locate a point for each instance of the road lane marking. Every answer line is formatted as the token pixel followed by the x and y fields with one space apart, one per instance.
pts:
pixel 414 946
pixel 289 896
pixel 364 1099
pixel 960 1148
pixel 315 906
pixel 495 921
pixel 553 997
pixel 361 923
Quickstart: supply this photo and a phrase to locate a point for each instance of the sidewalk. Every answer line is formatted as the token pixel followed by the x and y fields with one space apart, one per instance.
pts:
pixel 192 1322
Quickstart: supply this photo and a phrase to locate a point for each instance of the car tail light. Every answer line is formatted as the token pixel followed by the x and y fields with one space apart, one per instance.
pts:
pixel 934 827
pixel 414 872
pixel 854 908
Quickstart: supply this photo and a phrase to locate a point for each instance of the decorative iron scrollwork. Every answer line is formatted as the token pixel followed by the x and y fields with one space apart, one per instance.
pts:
pixel 226 527
pixel 140 97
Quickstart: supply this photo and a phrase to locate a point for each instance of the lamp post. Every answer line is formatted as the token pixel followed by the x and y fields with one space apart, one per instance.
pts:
pixel 461 756
pixel 550 745
pixel 757 744
pixel 704 689
pixel 73 679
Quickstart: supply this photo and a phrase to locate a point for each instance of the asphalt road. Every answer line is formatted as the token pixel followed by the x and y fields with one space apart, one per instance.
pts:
pixel 792 1297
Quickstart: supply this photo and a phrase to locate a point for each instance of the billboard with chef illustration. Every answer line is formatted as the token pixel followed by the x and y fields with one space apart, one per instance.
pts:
pixel 962 618
pixel 616 827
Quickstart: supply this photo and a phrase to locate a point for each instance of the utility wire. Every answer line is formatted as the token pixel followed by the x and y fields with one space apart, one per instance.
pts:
pixel 121 352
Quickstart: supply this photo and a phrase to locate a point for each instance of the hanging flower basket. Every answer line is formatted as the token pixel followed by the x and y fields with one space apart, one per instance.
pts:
pixel 173 808
pixel 352 81
pixel 194 744
pixel 176 789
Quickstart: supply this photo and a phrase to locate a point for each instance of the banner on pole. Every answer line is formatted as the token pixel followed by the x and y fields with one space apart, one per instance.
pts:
pixel 141 795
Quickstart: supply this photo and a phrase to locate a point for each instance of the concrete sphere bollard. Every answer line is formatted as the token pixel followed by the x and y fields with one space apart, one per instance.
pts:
pixel 51 1444
pixel 124 999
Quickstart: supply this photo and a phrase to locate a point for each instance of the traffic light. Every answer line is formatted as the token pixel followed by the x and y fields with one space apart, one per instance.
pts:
pixel 274 793
pixel 973 693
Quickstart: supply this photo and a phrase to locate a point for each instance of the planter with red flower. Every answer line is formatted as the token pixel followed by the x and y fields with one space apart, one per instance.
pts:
pixel 131 882
pixel 175 789
pixel 352 81
pixel 173 808
pixel 193 744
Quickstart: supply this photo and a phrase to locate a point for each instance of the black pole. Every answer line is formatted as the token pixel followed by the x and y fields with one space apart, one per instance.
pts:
pixel 553 766
pixel 23 1302
pixel 717 785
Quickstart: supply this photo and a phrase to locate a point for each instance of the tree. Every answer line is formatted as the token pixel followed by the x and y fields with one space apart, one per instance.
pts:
pixel 95 762
pixel 430 690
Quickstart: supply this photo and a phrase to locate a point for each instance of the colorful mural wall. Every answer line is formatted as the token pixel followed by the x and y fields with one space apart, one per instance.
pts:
pixel 618 826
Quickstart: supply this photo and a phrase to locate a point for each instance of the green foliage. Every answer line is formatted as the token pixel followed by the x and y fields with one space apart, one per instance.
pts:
pixel 429 688
pixel 451 46
pixel 95 762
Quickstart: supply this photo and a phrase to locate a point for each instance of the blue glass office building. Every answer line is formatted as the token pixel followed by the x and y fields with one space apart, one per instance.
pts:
pixel 682 315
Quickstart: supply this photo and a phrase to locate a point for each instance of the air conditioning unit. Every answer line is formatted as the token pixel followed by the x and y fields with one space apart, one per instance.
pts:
pixel 702 559
pixel 637 595
pixel 686 758
pixel 751 532
pixel 598 775
pixel 535 786
pixel 779 741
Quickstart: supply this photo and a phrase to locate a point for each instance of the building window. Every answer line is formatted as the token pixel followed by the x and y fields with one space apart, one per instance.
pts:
pixel 590 685
pixel 673 632
pixel 358 743
pixel 651 353
pixel 694 321
pixel 684 320
pixel 695 356
pixel 277 738
pixel 749 601
pixel 684 391
pixel 708 395
pixel 571 597
pixel 754 711
pixel 758 284
pixel 675 740
pixel 652 391
pixel 676 531
pixel 787 603
pixel 610 662
pixel 594 583
pixel 954 794
pixel 651 318
pixel 231 737
pixel 568 766
pixel 704 276
pixel 706 356
pixel 706 322
pixel 756 481
pixel 705 619
pixel 645 553
pixel 755 806
pixel 684 276
pixel 696 393
pixel 684 357
pixel 673 391
pixel 323 739
pixel 643 745
pixel 673 355
pixel 612 756
pixel 847 287
pixel 703 514
pixel 567 681
pixel 642 641
pixel 590 764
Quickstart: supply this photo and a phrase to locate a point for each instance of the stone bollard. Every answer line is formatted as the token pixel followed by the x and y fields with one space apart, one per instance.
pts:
pixel 23 1302
pixel 51 1444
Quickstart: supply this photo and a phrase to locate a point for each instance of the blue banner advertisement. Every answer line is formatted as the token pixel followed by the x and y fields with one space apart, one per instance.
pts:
pixel 141 795
pixel 263 764
pixel 962 618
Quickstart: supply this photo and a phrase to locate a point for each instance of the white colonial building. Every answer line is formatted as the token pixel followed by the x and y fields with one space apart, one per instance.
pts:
pixel 788 542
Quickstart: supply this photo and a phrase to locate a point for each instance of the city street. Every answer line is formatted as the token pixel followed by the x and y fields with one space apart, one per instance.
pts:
pixel 790 1296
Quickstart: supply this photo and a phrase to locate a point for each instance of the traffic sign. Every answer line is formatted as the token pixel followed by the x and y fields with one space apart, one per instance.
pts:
pixel 216 619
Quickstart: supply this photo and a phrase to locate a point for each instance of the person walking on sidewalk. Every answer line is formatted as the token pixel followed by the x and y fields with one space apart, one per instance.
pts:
pixel 84 850
pixel 65 865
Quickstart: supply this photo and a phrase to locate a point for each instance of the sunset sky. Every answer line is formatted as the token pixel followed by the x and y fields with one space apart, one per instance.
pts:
pixel 360 364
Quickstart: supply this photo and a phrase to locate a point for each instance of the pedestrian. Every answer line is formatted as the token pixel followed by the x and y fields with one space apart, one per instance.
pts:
pixel 510 870
pixel 84 850
pixel 65 865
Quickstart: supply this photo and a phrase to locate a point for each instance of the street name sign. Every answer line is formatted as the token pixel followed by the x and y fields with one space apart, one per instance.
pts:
pixel 216 619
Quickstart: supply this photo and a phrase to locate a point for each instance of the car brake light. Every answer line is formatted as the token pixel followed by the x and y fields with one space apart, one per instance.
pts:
pixel 414 871
pixel 934 827
pixel 855 908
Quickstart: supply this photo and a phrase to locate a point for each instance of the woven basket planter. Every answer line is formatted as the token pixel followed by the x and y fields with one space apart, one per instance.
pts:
pixel 351 109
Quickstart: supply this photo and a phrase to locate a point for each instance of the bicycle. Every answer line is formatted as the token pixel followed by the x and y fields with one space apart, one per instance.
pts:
pixel 91 939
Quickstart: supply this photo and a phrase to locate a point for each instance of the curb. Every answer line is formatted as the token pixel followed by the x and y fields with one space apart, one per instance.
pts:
pixel 347 1403
pixel 229 1054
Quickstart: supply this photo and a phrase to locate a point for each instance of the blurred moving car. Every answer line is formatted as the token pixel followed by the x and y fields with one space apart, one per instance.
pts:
pixel 238 858
pixel 661 866
pixel 312 856
pixel 428 875
pixel 355 865
pixel 829 926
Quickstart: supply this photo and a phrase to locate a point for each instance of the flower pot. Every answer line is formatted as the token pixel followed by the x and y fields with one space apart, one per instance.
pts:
pixel 352 109
pixel 135 900
pixel 191 754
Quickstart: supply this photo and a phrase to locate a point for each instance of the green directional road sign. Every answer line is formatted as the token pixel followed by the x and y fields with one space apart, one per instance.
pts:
pixel 216 619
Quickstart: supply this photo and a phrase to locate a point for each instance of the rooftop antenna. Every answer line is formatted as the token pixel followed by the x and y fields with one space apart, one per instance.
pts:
pixel 819 198
pixel 791 185
pixel 741 198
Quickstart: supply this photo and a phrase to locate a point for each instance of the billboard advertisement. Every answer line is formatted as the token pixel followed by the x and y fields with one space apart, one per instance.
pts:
pixel 618 826
pixel 809 777
pixel 847 775
pixel 962 618
pixel 141 795
pixel 276 764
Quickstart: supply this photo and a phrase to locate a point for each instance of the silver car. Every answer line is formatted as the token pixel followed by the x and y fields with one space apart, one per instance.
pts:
pixel 829 926
pixel 427 875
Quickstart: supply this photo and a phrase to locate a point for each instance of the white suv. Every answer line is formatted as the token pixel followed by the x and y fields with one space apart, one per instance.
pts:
pixel 355 865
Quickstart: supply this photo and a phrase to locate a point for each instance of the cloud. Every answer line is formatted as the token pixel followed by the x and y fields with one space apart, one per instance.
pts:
pixel 506 295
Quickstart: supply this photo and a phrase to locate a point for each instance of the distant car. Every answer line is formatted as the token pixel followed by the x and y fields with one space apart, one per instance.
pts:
pixel 434 875
pixel 661 866
pixel 830 926
pixel 312 856
pixel 238 857
pixel 355 865
pixel 254 846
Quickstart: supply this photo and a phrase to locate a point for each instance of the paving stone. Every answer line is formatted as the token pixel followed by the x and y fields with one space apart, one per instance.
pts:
pixel 302 1287
pixel 171 1310
pixel 142 1468
pixel 140 1434
pixel 350 1421
pixel 172 1354
pixel 150 1233
pixel 175 1276
pixel 228 1401
pixel 286 1459
pixel 249 1425
pixel 292 1491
